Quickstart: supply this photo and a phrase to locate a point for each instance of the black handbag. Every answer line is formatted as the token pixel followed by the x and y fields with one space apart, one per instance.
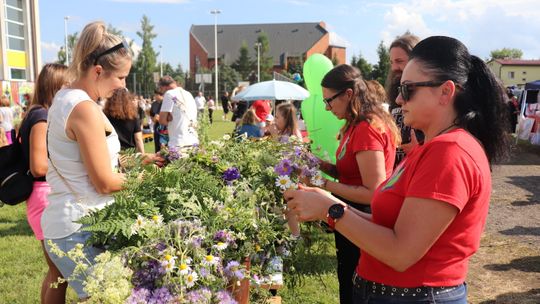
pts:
pixel 16 181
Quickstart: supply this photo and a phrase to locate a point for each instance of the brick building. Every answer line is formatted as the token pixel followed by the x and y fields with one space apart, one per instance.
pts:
pixel 289 42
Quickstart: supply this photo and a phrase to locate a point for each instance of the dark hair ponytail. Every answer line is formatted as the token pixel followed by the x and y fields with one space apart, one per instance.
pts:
pixel 481 110
pixel 480 101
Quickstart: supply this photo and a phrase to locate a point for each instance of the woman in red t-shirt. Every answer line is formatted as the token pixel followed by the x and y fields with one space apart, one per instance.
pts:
pixel 364 158
pixel 427 218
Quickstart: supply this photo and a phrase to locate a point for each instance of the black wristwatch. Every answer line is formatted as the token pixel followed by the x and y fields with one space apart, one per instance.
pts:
pixel 335 212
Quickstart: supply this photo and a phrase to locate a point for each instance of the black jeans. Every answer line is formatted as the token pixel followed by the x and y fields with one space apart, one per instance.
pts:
pixel 347 257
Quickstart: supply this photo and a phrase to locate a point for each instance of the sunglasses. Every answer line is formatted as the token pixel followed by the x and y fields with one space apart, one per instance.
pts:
pixel 121 45
pixel 406 89
pixel 328 100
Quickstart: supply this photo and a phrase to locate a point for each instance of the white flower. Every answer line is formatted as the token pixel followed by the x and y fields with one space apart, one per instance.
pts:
pixel 184 268
pixel 140 223
pixel 283 182
pixel 221 246
pixel 226 137
pixel 168 262
pixel 157 219
pixel 210 260
pixel 191 279
pixel 317 180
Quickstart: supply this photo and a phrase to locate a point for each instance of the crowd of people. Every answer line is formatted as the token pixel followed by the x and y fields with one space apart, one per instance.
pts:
pixel 406 199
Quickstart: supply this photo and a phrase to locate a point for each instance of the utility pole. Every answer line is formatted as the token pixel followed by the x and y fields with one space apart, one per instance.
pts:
pixel 215 12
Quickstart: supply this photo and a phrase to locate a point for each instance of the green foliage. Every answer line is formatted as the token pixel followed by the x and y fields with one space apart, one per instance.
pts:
pixel 365 67
pixel 228 77
pixel 72 41
pixel 506 53
pixel 380 70
pixel 267 62
pixel 243 64
pixel 145 65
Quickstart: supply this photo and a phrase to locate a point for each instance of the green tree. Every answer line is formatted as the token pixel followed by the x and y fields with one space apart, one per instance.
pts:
pixel 72 40
pixel 363 65
pixel 267 62
pixel 243 65
pixel 228 78
pixel 145 65
pixel 380 70
pixel 506 53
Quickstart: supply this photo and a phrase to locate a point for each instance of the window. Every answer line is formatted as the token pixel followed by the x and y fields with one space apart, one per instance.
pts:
pixel 511 75
pixel 524 73
pixel 15 27
pixel 16 44
pixel 15 3
pixel 19 74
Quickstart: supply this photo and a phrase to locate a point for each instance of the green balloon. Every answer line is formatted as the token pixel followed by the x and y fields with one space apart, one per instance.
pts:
pixel 322 126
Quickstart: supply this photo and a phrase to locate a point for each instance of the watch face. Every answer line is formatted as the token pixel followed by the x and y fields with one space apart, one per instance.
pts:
pixel 336 211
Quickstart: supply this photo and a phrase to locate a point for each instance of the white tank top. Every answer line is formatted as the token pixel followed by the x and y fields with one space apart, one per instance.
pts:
pixel 64 207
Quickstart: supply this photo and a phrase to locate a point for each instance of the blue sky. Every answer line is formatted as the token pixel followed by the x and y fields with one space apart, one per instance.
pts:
pixel 483 25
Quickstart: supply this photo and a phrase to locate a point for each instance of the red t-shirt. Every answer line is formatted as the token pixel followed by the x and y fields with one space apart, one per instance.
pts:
pixel 262 109
pixel 362 137
pixel 452 168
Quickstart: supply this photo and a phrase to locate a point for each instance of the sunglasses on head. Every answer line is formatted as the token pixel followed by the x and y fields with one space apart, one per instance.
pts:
pixel 406 89
pixel 328 100
pixel 121 45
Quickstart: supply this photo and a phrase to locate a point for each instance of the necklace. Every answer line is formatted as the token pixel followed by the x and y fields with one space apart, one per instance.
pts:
pixel 446 129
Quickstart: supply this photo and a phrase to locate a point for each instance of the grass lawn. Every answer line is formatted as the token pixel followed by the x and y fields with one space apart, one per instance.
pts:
pixel 22 265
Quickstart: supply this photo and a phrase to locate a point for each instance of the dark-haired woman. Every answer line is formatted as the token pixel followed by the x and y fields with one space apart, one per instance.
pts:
pixel 429 215
pixel 33 133
pixel 364 158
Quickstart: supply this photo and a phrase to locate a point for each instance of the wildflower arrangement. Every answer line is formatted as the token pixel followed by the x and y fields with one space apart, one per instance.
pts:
pixel 184 231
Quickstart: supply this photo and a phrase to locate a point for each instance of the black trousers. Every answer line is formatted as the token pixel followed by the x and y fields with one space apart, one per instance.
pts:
pixel 347 259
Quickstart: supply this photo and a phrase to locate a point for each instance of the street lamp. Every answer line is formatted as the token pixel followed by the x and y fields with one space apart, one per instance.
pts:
pixel 160 62
pixel 258 45
pixel 66 39
pixel 215 12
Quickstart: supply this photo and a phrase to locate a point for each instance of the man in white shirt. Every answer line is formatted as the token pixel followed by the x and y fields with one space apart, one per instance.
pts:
pixel 179 113
pixel 200 101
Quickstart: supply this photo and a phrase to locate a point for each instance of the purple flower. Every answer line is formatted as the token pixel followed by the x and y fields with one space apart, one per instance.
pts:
pixel 231 174
pixel 284 167
pixel 161 296
pixel 173 154
pixel 147 275
pixel 201 296
pixel 161 247
pixel 224 297
pixel 204 272
pixel 233 271
pixel 284 139
pixel 197 242
pixel 138 296
pixel 225 237
pixel 297 151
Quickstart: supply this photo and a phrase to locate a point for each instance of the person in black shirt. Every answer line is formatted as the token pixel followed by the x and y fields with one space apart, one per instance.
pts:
pixel 155 108
pixel 121 110
pixel 226 105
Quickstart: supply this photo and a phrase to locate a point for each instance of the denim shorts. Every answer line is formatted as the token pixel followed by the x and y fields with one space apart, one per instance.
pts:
pixel 65 265
pixel 362 294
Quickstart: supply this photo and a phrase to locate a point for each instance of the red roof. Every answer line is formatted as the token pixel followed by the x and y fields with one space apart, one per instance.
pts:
pixel 517 62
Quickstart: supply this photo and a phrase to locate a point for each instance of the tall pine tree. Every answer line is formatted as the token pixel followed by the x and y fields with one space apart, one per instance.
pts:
pixel 145 65
pixel 243 64
pixel 380 70
pixel 267 62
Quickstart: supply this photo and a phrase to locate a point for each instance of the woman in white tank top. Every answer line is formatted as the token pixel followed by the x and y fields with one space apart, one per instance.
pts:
pixel 83 146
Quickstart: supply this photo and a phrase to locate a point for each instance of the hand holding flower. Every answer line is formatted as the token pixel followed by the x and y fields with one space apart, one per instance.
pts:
pixel 309 204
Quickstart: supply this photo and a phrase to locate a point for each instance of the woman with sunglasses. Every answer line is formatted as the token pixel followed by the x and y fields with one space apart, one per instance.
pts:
pixel 83 146
pixel 429 215
pixel 364 158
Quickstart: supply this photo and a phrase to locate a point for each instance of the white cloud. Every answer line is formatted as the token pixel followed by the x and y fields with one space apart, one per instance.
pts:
pixel 483 25
pixel 49 51
pixel 400 19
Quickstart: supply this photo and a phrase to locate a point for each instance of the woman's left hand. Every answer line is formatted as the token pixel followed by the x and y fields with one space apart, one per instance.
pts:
pixel 308 204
